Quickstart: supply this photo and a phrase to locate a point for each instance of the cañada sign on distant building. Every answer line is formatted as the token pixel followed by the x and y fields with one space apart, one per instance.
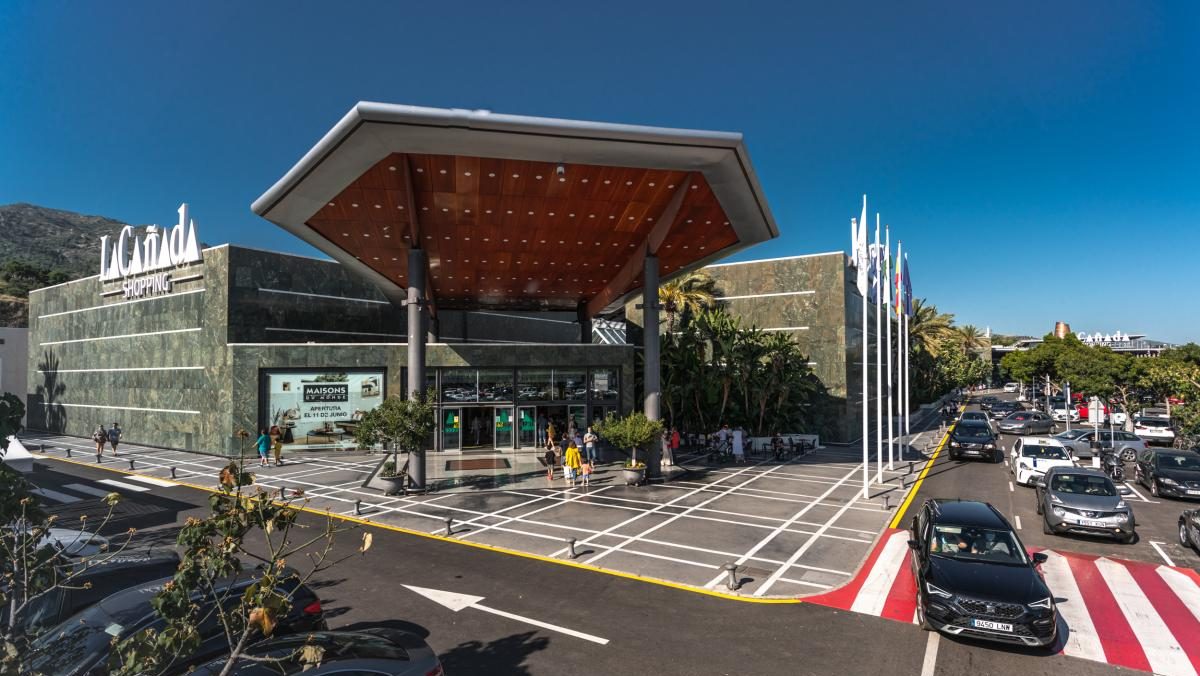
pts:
pixel 157 253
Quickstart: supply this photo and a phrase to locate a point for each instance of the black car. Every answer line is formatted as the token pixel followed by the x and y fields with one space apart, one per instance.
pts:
pixel 92 582
pixel 1189 529
pixel 1169 472
pixel 987 402
pixel 376 651
pixel 1001 409
pixel 81 644
pixel 971 438
pixel 974 577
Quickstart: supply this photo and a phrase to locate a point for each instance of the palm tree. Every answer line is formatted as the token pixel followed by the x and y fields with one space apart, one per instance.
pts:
pixel 687 296
pixel 972 338
pixel 927 327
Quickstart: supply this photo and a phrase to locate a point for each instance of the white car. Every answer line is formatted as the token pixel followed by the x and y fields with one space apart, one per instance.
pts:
pixel 1032 457
pixel 1154 430
pixel 1119 418
pixel 1062 413
pixel 1011 387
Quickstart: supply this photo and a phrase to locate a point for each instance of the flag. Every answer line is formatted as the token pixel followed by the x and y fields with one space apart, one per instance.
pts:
pixel 876 256
pixel 899 281
pixel 908 294
pixel 861 254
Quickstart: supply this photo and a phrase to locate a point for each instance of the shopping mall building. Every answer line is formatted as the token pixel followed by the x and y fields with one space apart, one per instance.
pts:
pixel 470 254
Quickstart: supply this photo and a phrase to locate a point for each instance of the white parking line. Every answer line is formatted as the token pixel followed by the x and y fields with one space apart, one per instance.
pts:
pixel 1162 553
pixel 153 482
pixel 929 664
pixel 89 490
pixel 1010 487
pixel 122 484
pixel 1018 521
pixel 55 495
pixel 1135 492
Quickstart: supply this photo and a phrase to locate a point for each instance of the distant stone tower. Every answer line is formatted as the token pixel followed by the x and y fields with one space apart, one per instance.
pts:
pixel 1061 329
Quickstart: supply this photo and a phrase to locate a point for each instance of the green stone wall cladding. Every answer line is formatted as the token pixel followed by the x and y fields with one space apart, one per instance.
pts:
pixel 74 386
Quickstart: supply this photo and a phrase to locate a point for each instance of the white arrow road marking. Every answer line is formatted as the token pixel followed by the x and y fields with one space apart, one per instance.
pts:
pixel 456 602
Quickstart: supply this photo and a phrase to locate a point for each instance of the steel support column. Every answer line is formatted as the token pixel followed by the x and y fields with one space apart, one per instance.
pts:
pixel 585 323
pixel 416 348
pixel 652 374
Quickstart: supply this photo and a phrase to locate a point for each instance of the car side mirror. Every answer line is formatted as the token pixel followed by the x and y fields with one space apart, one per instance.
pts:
pixel 914 545
pixel 1040 483
pixel 1039 558
pixel 1124 490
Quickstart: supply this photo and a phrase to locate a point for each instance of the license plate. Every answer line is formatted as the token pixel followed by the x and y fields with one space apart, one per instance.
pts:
pixel 994 626
pixel 1094 524
pixel 1193 492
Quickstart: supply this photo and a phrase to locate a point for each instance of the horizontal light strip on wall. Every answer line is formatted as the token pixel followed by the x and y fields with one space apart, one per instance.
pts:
pixel 125 335
pixel 121 408
pixel 124 302
pixel 786 328
pixel 781 258
pixel 340 333
pixel 178 280
pixel 321 295
pixel 767 295
pixel 133 368
pixel 532 319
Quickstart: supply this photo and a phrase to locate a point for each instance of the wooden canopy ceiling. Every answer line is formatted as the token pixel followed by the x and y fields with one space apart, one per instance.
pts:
pixel 519 234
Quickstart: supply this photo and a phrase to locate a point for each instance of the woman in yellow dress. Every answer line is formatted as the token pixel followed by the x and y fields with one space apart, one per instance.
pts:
pixel 571 463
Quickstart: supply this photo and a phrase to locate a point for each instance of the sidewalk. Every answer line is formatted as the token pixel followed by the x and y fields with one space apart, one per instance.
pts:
pixel 792 528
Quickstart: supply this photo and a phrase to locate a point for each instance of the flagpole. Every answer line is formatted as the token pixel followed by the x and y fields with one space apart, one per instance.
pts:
pixel 861 262
pixel 887 243
pixel 878 359
pixel 907 358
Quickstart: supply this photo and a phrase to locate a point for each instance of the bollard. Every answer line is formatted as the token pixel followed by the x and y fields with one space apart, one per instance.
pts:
pixel 358 507
pixel 131 464
pixel 68 452
pixel 887 502
pixel 172 472
pixel 732 582
pixel 910 467
pixel 449 526
pixel 571 548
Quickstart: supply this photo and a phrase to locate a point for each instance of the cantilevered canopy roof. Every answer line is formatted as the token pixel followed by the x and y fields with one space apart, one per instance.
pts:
pixel 518 212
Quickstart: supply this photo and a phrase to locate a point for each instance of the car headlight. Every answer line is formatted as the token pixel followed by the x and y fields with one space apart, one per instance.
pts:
pixel 938 591
pixel 1168 481
pixel 1122 517
pixel 1045 604
pixel 954 444
pixel 989 447
pixel 1058 511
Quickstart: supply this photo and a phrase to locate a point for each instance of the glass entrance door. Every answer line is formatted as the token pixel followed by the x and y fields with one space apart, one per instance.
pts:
pixel 504 428
pixel 578 416
pixel 526 425
pixel 451 429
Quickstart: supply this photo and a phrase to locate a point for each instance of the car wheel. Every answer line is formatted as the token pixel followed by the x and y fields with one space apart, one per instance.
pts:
pixel 921 619
pixel 1184 539
pixel 1039 505
pixel 1127 539
pixel 1046 526
pixel 1127 455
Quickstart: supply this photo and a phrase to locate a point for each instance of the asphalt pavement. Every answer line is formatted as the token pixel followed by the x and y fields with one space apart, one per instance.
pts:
pixel 525 615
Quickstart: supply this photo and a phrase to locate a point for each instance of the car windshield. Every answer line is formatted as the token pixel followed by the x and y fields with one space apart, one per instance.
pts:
pixel 1071 435
pixel 975 544
pixel 1019 417
pixel 972 429
pixel 73 644
pixel 1044 452
pixel 974 415
pixel 1173 461
pixel 1150 422
pixel 1083 484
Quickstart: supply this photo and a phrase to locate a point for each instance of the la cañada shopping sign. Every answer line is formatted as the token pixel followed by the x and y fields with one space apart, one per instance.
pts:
pixel 144 265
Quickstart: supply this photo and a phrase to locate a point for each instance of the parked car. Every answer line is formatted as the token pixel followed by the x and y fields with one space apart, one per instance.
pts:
pixel 1084 413
pixel 1189 529
pixel 1011 387
pixel 974 577
pixel 81 644
pixel 1026 422
pixel 1084 501
pixel 1154 430
pixel 93 582
pixel 1031 457
pixel 376 652
pixel 974 438
pixel 1169 472
pixel 1125 444
pixel 1154 412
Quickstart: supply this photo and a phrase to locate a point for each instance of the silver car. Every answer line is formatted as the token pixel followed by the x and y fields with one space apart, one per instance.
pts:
pixel 1026 422
pixel 1084 501
pixel 1126 444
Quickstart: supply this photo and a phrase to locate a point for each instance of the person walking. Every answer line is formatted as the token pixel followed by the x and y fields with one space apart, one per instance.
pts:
pixel 477 427
pixel 589 442
pixel 549 457
pixel 264 446
pixel 114 437
pixel 739 450
pixel 276 444
pixel 100 437
pixel 571 463
pixel 585 471
pixel 541 429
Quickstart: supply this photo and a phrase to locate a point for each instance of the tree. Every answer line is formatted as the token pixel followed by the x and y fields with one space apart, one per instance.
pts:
pixel 687 296
pixel 971 337
pixel 214 549
pixel 927 327
pixel 634 431
pixel 399 424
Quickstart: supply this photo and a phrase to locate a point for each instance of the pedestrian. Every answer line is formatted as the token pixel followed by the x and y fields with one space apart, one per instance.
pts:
pixel 675 439
pixel 541 429
pixel 549 458
pixel 585 470
pixel 739 451
pixel 277 444
pixel 264 445
pixel 114 436
pixel 551 433
pixel 589 442
pixel 571 462
pixel 100 437
pixel 477 427
pixel 578 439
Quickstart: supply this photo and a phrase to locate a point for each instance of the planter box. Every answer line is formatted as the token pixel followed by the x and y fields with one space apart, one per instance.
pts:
pixel 633 476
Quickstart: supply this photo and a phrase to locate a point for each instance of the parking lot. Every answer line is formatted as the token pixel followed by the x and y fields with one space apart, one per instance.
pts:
pixel 791 528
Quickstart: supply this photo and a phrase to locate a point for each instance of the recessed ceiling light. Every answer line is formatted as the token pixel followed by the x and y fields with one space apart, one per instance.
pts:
pixel 561 179
pixel 607 181
pixel 561 242
pixel 708 222
pixel 685 246
pixel 489 211
pixel 551 213
pixel 391 168
pixel 444 209
pixel 400 207
pixel 393 258
pixel 651 184
pixel 543 241
pixel 631 218
pixel 580 244
pixel 428 236
pixel 585 180
pixel 591 215
pixel 628 182
pixel 597 244
pixel 571 215
pixel 538 177
pixel 424 208
pixel 365 235
pixel 693 187
pixel 420 170
pixel 524 241
pixel 702 248
pixel 374 258
pixel 354 204
pixel 510 211
pixel 689 220
pixel 726 222
pixel 466 173
pixel 614 243
pixel 446 237
pixel 441 171
pixel 345 234
pixel 491 174
pixel 671 187
pixel 387 236
pixel 611 217
pixel 485 239
pixel 466 211
pixel 331 204
pixel 467 239
pixel 516 176
pixel 531 213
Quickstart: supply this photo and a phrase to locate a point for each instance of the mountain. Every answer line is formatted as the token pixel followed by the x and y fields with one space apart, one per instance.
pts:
pixel 40 246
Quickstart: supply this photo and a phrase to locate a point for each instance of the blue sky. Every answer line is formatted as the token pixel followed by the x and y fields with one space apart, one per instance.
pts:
pixel 1039 162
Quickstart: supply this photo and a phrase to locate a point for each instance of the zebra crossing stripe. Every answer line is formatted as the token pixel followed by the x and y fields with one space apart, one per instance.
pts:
pixel 123 485
pixel 88 490
pixel 55 495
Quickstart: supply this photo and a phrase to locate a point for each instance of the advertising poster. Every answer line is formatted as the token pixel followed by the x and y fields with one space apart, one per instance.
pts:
pixel 321 408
